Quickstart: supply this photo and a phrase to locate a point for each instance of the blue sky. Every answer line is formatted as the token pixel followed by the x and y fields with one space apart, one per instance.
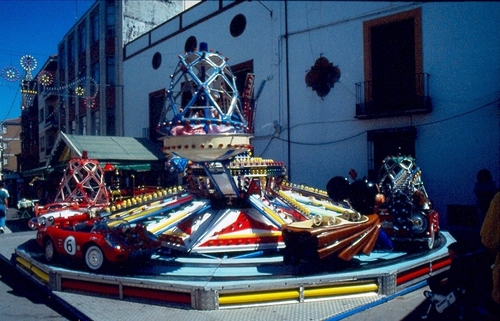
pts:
pixel 35 28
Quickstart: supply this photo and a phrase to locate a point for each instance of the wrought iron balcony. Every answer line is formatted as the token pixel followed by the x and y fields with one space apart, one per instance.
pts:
pixel 377 99
pixel 51 122
pixel 48 91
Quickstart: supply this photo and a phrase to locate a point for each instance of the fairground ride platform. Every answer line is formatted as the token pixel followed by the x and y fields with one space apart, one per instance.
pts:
pixel 220 287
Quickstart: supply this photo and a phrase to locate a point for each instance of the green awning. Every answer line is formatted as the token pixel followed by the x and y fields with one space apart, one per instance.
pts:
pixel 40 171
pixel 126 153
pixel 132 167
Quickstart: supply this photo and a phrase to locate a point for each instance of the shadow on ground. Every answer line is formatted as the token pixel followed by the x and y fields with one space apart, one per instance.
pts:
pixel 476 303
pixel 18 225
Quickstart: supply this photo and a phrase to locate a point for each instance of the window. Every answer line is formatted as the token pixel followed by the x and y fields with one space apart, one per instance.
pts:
pixel 50 115
pixel 71 49
pixel 83 75
pixel 61 60
pixel 110 121
pixel 42 144
pixel 389 142
pixel 110 19
pixel 83 125
pixel 190 44
pixel 394 80
pixel 241 71
pixel 96 123
pixel 156 103
pixel 95 28
pixel 41 115
pixel 156 60
pixel 110 71
pixel 82 38
pixel 238 25
pixel 95 72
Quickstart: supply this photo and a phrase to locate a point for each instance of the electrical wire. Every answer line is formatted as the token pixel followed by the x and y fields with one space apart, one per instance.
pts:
pixel 10 108
pixel 309 143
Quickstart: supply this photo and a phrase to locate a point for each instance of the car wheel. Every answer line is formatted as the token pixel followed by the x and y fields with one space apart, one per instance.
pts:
pixel 50 251
pixel 94 257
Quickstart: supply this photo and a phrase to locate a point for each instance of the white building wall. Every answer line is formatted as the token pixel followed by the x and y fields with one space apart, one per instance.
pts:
pixel 461 52
pixel 462 55
pixel 141 16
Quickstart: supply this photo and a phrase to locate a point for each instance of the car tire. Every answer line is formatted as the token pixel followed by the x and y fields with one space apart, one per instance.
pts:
pixel 94 258
pixel 49 250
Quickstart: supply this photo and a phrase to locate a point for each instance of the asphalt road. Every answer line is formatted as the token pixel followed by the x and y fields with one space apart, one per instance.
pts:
pixel 21 298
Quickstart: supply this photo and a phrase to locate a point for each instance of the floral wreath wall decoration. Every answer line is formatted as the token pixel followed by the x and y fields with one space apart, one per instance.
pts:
pixel 322 76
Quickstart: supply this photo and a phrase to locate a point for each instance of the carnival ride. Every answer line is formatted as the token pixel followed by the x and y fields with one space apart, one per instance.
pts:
pixel 236 233
pixel 235 204
pixel 81 191
pixel 204 122
pixel 407 215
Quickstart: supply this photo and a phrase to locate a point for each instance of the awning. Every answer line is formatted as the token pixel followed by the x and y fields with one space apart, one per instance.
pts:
pixel 130 167
pixel 40 171
pixel 124 153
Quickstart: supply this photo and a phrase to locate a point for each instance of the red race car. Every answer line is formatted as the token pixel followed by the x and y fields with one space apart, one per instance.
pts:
pixel 96 241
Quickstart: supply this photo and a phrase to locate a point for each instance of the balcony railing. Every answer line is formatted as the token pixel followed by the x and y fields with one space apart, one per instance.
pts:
pixel 393 98
pixel 48 91
pixel 51 122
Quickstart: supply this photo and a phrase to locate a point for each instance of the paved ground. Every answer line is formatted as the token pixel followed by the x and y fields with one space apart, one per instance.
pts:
pixel 21 299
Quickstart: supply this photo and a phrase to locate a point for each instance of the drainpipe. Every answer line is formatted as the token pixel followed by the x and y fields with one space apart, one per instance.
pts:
pixel 287 100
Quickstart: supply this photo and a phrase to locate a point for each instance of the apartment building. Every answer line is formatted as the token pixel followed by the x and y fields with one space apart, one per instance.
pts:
pixel 80 90
pixel 10 146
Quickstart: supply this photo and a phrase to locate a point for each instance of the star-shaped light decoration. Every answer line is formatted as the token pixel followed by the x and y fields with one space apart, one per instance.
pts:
pixel 45 78
pixel 11 73
pixel 28 62
pixel 89 102
pixel 79 91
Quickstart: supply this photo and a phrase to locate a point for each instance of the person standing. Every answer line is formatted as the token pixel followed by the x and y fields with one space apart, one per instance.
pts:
pixel 490 237
pixel 4 206
pixel 484 190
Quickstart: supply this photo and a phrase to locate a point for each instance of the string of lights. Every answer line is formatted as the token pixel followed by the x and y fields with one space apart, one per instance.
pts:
pixel 80 87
